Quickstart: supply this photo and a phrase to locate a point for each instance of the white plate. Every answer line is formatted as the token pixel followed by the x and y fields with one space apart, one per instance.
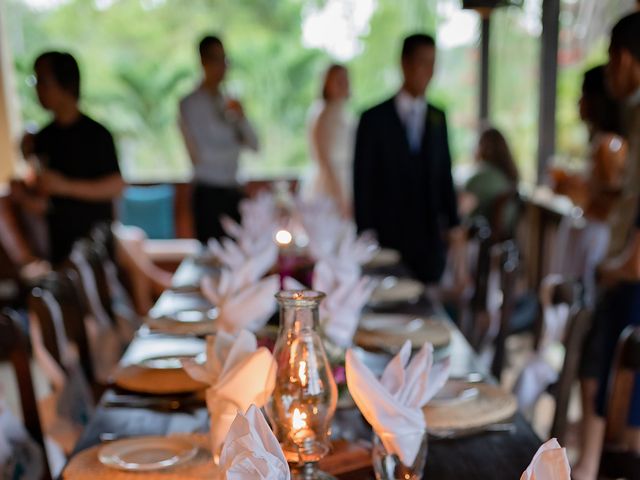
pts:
pixel 194 316
pixel 146 453
pixel 392 322
pixel 454 393
pixel 172 362
pixel 393 290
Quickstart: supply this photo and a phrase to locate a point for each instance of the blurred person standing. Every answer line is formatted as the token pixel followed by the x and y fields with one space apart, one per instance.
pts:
pixel 331 138
pixel 403 188
pixel 619 302
pixel 215 129
pixel 581 246
pixel 78 176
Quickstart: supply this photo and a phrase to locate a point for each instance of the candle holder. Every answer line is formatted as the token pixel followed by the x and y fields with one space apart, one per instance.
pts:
pixel 304 399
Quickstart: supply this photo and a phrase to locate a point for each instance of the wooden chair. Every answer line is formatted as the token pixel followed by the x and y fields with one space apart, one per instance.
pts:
pixel 500 230
pixel 616 462
pixel 14 345
pixel 570 293
pixel 93 254
pixel 478 232
pixel 66 288
pixel 38 306
pixel 504 256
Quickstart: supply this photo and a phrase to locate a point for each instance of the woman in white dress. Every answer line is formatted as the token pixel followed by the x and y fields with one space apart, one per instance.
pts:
pixel 331 137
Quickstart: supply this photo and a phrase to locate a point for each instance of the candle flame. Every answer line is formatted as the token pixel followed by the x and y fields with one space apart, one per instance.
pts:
pixel 299 420
pixel 302 373
pixel 283 237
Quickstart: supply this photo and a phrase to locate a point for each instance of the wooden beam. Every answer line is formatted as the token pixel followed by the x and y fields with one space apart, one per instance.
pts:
pixel 8 101
pixel 548 84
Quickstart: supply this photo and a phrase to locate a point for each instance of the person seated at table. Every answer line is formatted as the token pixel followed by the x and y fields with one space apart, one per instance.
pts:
pixel 79 174
pixel 495 175
pixel 331 133
pixel 619 302
pixel 403 187
pixel 215 130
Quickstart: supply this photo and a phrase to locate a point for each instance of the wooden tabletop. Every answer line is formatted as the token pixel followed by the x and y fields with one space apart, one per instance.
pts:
pixel 494 455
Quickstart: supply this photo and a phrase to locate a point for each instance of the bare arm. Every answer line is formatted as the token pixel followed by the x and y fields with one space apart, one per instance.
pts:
pixel 626 266
pixel 102 189
pixel 321 136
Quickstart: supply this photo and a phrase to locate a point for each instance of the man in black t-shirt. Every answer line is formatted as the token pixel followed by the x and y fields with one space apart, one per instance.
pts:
pixel 79 167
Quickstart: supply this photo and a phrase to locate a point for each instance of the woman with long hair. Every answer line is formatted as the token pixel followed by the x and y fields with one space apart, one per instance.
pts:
pixel 331 137
pixel 581 247
pixel 495 175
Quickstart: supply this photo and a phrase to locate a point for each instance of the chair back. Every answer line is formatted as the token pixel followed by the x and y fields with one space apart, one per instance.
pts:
pixel 504 215
pixel 66 288
pixel 14 345
pixel 616 462
pixel 88 260
pixel 504 256
pixel 569 292
pixel 478 233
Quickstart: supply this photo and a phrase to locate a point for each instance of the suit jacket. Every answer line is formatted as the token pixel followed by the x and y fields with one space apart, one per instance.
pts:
pixel 407 198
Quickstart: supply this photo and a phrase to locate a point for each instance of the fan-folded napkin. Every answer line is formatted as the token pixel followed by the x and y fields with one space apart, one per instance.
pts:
pixel 238 374
pixel 393 404
pixel 251 450
pixel 549 463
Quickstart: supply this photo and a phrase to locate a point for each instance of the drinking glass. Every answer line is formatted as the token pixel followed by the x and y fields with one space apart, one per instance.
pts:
pixel 387 466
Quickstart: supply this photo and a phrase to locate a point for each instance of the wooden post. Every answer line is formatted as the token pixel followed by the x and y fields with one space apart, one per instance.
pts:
pixel 548 81
pixel 8 124
pixel 485 40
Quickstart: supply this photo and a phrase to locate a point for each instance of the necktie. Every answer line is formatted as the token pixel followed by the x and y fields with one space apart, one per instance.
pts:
pixel 414 132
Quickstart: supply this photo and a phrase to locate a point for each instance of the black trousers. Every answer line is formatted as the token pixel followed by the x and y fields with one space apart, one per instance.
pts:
pixel 209 203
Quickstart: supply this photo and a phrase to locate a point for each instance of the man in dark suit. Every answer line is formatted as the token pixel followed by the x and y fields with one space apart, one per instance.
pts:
pixel 403 188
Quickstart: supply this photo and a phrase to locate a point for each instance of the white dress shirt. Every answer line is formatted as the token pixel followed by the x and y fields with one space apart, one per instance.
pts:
pixel 214 136
pixel 412 112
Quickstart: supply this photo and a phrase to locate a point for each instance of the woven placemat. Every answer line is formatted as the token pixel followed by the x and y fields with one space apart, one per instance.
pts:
pixel 491 405
pixel 393 290
pixel 156 381
pixel 433 330
pixel 85 465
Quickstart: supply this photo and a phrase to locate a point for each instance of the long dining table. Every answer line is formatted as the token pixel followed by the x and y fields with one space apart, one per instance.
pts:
pixel 482 455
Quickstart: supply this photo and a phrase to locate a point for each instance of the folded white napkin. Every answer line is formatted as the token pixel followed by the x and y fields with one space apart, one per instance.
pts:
pixel 251 450
pixel 346 294
pixel 239 374
pixel 255 258
pixel 393 404
pixel 323 225
pixel 259 217
pixel 241 304
pixel 549 463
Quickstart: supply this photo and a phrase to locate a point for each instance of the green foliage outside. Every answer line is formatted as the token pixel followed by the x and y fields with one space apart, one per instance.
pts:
pixel 138 58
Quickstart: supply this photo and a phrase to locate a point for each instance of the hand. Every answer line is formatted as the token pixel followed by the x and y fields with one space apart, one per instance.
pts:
pixel 54 183
pixel 27 144
pixel 235 106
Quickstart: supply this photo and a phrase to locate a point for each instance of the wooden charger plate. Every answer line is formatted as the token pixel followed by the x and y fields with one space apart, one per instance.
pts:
pixel 491 405
pixel 388 332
